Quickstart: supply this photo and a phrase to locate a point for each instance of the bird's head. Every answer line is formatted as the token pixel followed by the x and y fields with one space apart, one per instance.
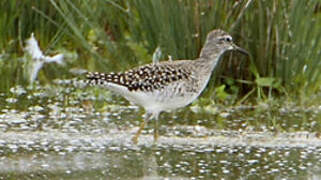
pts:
pixel 218 42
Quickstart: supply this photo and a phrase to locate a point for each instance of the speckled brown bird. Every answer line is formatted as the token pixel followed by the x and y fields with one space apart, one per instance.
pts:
pixel 168 85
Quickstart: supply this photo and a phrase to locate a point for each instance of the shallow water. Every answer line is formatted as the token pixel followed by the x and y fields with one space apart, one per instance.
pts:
pixel 74 133
pixel 171 163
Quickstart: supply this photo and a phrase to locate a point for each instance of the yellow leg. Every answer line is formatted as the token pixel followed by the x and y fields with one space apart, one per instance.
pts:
pixel 148 116
pixel 135 138
pixel 156 130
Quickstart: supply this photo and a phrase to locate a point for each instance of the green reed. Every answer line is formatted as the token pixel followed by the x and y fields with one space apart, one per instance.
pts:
pixel 283 38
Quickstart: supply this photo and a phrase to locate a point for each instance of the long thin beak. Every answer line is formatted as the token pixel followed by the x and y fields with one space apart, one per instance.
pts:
pixel 241 50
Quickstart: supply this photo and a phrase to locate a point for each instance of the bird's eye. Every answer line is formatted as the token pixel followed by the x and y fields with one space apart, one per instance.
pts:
pixel 228 38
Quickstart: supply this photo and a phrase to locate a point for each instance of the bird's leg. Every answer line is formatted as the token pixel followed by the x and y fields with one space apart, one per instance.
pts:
pixel 141 127
pixel 156 132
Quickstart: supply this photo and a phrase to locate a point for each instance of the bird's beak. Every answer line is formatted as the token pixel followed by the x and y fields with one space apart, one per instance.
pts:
pixel 241 50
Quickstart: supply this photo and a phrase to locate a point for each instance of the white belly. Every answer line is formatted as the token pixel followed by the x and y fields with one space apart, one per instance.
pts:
pixel 156 102
pixel 173 96
pixel 166 99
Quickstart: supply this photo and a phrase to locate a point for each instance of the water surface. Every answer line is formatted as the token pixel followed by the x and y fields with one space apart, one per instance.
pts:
pixel 75 133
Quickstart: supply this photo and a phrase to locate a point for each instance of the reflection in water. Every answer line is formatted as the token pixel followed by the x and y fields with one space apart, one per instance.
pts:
pixel 159 163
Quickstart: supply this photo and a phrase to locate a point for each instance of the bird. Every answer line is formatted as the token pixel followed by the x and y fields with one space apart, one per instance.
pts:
pixel 167 85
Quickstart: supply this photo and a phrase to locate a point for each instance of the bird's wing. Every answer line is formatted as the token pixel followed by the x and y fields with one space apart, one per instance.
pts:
pixel 145 78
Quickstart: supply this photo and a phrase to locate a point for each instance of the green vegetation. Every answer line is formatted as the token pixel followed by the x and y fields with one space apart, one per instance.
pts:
pixel 283 37
pixel 258 117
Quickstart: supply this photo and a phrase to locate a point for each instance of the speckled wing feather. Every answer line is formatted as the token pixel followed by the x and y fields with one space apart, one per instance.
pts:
pixel 145 78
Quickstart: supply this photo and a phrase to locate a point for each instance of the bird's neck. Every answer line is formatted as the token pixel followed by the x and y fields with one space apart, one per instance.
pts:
pixel 206 64
pixel 210 57
pixel 211 54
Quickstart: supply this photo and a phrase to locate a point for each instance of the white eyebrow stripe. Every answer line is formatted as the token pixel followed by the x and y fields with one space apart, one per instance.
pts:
pixel 228 37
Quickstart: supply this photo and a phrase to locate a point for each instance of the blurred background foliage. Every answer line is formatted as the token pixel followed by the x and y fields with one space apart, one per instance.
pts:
pixel 283 38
